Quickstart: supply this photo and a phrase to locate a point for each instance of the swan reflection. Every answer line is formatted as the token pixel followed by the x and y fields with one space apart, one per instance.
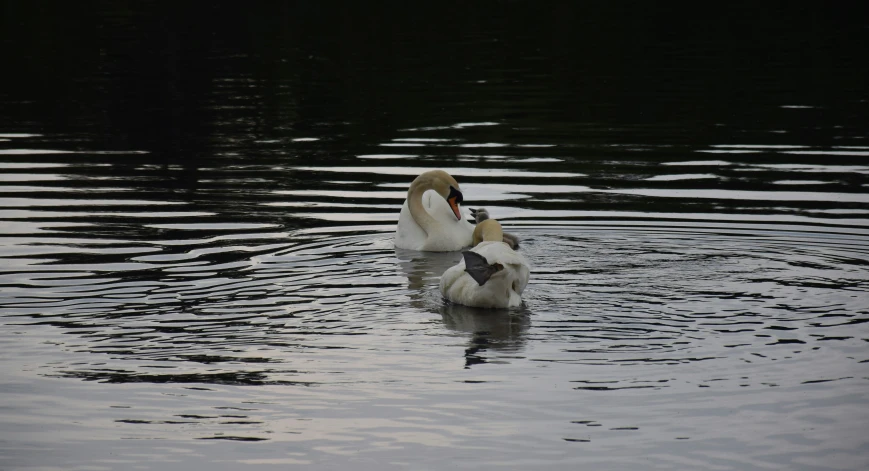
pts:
pixel 424 269
pixel 499 330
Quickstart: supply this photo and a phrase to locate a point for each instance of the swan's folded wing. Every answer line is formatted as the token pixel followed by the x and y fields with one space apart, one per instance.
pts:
pixel 514 263
pixel 479 268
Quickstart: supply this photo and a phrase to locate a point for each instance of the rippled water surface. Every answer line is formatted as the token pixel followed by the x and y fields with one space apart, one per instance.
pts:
pixel 197 268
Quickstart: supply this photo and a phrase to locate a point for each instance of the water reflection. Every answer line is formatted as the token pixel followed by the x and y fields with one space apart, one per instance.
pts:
pixel 498 330
pixel 423 269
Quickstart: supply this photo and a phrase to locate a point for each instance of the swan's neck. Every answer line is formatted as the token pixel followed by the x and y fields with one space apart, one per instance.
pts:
pixel 417 211
pixel 488 230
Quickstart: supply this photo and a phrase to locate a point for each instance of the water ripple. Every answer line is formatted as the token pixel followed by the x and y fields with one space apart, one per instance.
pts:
pixel 259 299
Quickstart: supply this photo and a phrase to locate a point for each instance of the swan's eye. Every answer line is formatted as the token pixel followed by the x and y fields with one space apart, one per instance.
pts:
pixel 455 194
pixel 454 198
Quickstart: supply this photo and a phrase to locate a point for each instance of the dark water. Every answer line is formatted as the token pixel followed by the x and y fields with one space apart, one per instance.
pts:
pixel 196 258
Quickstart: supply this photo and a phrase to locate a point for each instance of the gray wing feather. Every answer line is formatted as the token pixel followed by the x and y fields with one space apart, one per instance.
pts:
pixel 478 267
pixel 511 240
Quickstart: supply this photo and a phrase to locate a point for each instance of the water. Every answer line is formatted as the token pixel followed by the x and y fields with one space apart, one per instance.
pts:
pixel 196 259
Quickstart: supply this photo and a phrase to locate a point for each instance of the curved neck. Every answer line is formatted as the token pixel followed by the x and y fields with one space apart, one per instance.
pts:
pixel 417 211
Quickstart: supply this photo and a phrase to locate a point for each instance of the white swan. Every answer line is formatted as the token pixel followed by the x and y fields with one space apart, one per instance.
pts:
pixel 431 218
pixel 490 275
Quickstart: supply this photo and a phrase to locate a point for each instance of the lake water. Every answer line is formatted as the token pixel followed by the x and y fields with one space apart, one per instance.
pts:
pixel 197 209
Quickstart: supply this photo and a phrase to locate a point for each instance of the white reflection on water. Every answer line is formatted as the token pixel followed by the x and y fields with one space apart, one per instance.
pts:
pixel 387 156
pixel 28 202
pixel 39 213
pixel 346 193
pixel 512 159
pixel 683 176
pixel 700 163
pixel 202 226
pixel 747 195
pixel 757 146
pixel 454 126
pixel 816 168
pixel 802 182
pixel 829 152
pixel 461 171
pixel 24 177
pixel 33 151
pixel 26 165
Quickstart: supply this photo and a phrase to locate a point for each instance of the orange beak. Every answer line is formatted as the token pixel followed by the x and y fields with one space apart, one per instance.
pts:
pixel 454 198
pixel 454 204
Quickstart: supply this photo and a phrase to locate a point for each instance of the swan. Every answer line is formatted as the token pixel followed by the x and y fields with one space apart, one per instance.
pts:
pixel 480 215
pixel 430 218
pixel 490 275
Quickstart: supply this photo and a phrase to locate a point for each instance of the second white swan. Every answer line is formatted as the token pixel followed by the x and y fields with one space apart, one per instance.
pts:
pixel 431 218
pixel 490 275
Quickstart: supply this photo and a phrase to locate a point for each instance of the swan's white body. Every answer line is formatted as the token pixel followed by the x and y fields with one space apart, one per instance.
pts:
pixel 427 222
pixel 503 289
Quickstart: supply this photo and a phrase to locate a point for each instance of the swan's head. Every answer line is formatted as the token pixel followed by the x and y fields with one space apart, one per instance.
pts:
pixel 454 197
pixel 444 184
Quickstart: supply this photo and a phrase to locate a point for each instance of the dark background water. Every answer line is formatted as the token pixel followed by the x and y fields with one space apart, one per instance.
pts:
pixel 140 75
pixel 196 206
pixel 198 85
